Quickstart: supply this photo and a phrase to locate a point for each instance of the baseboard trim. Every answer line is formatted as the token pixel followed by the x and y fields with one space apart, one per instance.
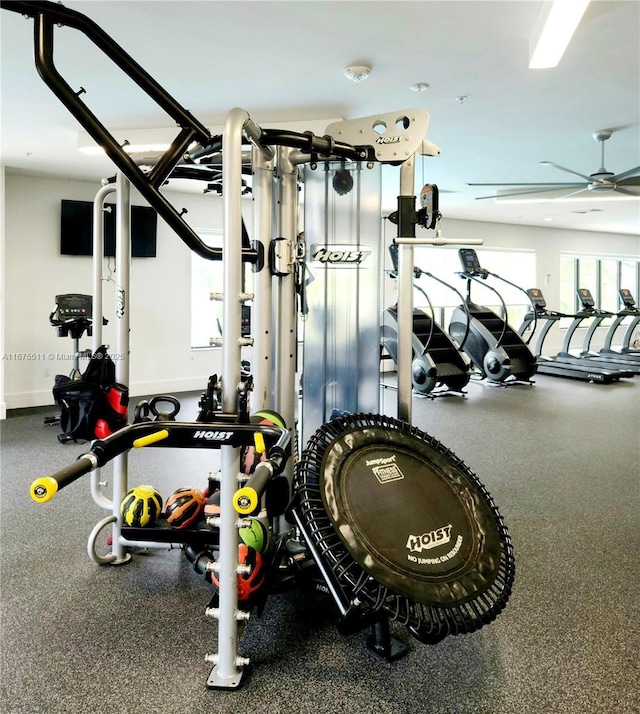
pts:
pixel 24 400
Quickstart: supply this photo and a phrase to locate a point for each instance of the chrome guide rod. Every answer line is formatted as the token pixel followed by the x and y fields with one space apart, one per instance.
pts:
pixel 262 366
pixel 286 317
pixel 123 293
pixel 98 250
pixel 405 303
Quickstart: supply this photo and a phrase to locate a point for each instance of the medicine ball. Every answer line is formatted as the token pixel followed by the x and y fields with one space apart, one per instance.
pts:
pixel 264 417
pixel 248 583
pixel 184 507
pixel 141 506
pixel 256 535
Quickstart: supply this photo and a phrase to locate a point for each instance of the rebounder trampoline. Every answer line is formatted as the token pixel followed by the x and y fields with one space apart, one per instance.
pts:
pixel 404 525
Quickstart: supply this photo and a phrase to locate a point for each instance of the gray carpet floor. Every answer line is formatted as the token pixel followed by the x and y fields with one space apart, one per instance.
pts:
pixel 560 458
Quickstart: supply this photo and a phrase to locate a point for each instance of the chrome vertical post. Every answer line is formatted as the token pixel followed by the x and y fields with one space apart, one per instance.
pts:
pixel 97 306
pixel 262 330
pixel 405 300
pixel 226 672
pixel 123 293
pixel 286 346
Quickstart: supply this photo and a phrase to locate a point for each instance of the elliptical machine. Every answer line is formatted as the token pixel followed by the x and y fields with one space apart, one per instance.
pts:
pixel 495 348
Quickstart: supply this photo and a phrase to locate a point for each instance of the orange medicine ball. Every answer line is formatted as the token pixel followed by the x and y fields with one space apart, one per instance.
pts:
pixel 184 507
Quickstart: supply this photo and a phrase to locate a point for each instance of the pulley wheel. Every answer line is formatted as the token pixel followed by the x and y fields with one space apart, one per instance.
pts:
pixel 405 525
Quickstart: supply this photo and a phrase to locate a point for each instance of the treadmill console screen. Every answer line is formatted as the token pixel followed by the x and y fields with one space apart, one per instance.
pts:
pixel 586 298
pixel 470 262
pixel 537 298
pixel 627 297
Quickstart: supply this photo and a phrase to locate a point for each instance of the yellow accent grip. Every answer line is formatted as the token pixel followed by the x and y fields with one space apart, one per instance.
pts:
pixel 43 489
pixel 150 438
pixel 258 440
pixel 245 500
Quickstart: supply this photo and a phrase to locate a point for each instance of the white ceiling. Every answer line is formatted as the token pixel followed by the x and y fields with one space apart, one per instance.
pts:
pixel 284 61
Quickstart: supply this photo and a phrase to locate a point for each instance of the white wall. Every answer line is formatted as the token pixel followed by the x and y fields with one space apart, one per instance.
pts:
pixel 161 358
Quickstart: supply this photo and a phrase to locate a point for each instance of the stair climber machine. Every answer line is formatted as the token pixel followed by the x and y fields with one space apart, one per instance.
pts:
pixel 631 310
pixel 617 360
pixel 589 312
pixel 495 348
pixel 439 365
pixel 375 514
pixel 557 366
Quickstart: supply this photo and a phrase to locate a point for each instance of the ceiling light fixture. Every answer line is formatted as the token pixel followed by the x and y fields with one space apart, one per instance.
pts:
pixel 554 29
pixel 503 200
pixel 133 141
pixel 357 73
pixel 419 87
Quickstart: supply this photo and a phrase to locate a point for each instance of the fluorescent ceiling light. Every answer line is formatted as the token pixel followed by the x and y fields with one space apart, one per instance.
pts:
pixel 553 32
pixel 96 150
pixel 132 140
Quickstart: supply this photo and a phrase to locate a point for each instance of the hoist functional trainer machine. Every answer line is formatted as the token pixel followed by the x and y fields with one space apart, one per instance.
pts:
pixel 387 519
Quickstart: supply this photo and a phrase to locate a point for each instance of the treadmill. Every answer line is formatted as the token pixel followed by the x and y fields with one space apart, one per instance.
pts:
pixel 589 311
pixel 625 352
pixel 557 366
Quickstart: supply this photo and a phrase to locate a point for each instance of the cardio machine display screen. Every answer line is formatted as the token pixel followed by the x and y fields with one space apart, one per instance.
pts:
pixel 537 298
pixel 469 260
pixel 586 298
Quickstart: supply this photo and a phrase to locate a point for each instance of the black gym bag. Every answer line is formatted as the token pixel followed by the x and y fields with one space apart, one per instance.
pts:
pixel 93 406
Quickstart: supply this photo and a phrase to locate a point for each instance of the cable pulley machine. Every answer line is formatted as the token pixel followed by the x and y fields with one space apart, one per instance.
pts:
pixel 371 509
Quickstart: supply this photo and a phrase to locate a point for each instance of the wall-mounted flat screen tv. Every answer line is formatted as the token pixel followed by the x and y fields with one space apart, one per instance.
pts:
pixel 76 229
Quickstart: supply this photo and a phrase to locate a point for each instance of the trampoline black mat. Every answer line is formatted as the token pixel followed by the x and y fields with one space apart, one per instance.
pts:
pixel 405 525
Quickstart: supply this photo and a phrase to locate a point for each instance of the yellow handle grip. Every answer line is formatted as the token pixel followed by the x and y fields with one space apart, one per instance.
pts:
pixel 150 439
pixel 43 489
pixel 245 500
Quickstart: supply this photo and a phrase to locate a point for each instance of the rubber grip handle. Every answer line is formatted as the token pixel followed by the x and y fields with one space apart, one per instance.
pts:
pixel 43 489
pixel 247 498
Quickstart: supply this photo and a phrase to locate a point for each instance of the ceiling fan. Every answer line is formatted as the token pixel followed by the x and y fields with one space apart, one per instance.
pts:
pixel 602 181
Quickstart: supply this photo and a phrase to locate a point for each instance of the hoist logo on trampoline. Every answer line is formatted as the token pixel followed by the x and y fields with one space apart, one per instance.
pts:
pixel 432 539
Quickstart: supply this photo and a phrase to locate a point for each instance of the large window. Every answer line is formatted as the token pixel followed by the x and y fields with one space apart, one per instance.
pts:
pixel 603 276
pixel 206 278
pixel 517 266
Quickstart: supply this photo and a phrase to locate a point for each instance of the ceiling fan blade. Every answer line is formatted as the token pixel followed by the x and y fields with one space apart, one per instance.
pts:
pixel 631 181
pixel 569 171
pixel 528 183
pixel 626 174
pixel 524 193
pixel 627 193
pixel 573 193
